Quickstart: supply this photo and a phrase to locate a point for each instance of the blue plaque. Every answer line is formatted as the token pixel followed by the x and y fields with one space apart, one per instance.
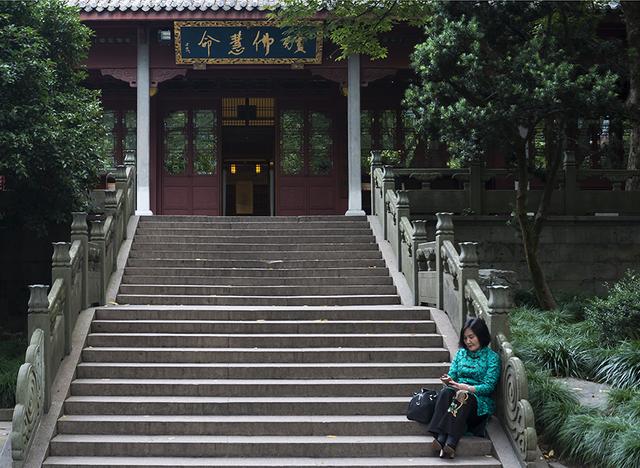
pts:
pixel 242 42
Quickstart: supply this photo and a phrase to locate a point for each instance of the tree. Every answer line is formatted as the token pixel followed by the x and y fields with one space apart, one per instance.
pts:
pixel 51 130
pixel 356 27
pixel 491 74
pixel 631 12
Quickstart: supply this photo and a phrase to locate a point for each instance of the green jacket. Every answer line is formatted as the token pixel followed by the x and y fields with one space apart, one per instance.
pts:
pixel 482 370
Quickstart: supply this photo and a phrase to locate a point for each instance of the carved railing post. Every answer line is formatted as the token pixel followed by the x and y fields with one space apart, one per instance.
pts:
pixel 476 187
pixel 39 318
pixel 121 186
pixel 402 211
pixel 61 268
pixel 110 202
pixel 111 208
pixel 130 161
pixel 468 270
pixel 80 232
pixel 98 239
pixel 30 399
pixel 388 183
pixel 570 184
pixel 418 237
pixel 376 163
pixel 500 302
pixel 444 232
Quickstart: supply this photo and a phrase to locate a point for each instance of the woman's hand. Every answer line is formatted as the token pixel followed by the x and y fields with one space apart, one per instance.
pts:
pixel 462 386
pixel 446 379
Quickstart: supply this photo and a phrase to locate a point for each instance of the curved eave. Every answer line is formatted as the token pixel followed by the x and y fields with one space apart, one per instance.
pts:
pixel 230 15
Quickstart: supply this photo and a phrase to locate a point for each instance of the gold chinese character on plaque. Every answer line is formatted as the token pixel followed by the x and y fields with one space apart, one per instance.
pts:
pixel 289 41
pixel 236 44
pixel 265 41
pixel 207 41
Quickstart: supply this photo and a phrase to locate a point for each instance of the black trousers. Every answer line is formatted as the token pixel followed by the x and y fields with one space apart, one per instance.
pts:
pixel 444 423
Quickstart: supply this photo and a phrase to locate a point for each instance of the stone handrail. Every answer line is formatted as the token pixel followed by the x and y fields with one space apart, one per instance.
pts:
pixel 29 399
pixel 474 198
pixel 80 273
pixel 461 296
pixel 439 274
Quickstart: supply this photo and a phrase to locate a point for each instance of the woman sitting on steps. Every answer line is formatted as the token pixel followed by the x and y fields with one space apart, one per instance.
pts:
pixel 465 402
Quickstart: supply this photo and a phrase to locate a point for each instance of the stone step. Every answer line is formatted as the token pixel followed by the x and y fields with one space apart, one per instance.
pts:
pixel 257 272
pixel 273 355
pixel 233 220
pixel 263 327
pixel 233 254
pixel 257 387
pixel 256 446
pixel 153 229
pixel 483 461
pixel 258 281
pixel 160 299
pixel 192 340
pixel 125 312
pixel 259 264
pixel 226 290
pixel 240 425
pixel 237 405
pixel 245 237
pixel 249 248
pixel 253 226
pixel 153 370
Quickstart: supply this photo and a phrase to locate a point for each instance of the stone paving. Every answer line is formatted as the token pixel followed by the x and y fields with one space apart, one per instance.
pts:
pixel 5 455
pixel 590 394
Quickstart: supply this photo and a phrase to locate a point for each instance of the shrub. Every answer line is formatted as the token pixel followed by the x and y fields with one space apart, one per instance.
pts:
pixel 11 358
pixel 617 317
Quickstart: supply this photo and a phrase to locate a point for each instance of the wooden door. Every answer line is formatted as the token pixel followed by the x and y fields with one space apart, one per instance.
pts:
pixel 190 155
pixel 306 178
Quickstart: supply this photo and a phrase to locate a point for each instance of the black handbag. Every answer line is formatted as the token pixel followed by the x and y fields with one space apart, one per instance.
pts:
pixel 422 405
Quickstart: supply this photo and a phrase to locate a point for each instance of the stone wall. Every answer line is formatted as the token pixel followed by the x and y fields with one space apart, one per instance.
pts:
pixel 579 254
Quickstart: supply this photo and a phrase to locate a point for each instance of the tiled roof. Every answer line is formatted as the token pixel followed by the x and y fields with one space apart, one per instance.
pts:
pixel 171 5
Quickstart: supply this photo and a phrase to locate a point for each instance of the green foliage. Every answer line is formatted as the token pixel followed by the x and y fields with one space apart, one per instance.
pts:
pixel 621 367
pixel 51 131
pixel 356 27
pixel 553 342
pixel 617 316
pixel 11 358
pixel 486 69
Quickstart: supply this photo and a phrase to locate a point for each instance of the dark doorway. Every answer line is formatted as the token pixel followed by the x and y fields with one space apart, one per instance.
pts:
pixel 248 155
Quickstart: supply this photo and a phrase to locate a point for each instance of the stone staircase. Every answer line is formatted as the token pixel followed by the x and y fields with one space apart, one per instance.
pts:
pixel 255 342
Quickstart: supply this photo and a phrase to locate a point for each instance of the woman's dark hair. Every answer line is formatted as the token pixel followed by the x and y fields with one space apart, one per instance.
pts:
pixel 479 328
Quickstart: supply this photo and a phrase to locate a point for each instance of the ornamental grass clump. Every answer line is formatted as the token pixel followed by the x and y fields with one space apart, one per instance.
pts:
pixel 621 367
pixel 568 342
pixel 617 316
pixel 555 342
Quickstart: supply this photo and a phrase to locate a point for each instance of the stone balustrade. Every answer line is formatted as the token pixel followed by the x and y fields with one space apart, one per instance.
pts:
pixel 453 276
pixel 573 195
pixel 445 274
pixel 80 272
pixel 30 397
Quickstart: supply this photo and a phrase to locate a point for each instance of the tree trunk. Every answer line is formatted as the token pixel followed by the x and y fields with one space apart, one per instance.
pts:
pixel 631 11
pixel 530 230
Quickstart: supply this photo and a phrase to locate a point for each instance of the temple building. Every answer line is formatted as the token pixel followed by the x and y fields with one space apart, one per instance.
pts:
pixel 227 114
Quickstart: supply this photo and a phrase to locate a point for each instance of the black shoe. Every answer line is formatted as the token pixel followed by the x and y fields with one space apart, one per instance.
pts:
pixel 449 451
pixel 436 445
